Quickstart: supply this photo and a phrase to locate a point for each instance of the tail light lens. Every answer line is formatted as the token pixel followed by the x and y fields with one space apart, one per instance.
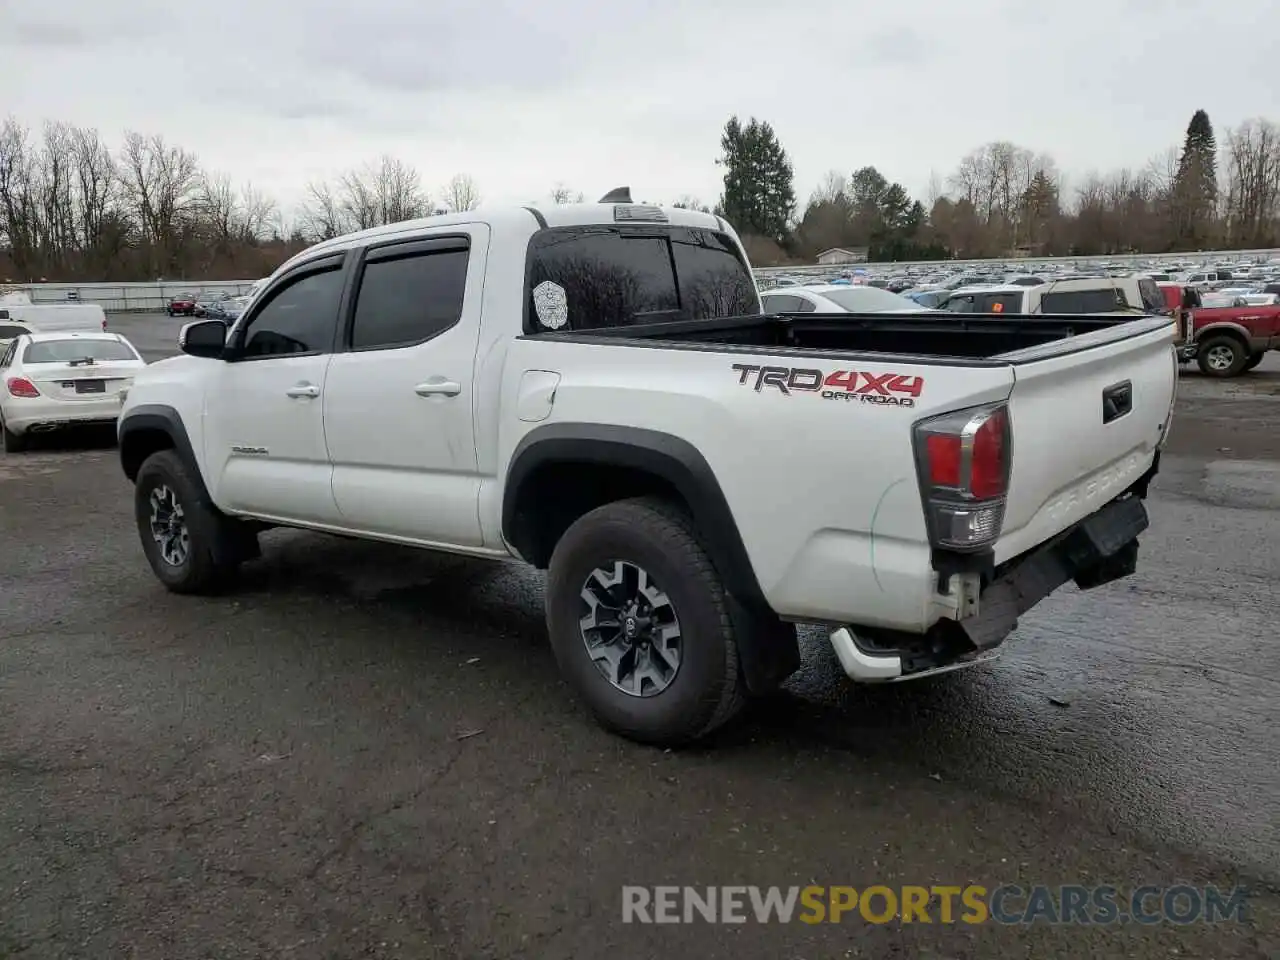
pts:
pixel 22 387
pixel 104 324
pixel 963 459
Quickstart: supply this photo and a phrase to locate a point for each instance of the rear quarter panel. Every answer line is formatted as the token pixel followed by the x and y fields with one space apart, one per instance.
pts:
pixel 823 487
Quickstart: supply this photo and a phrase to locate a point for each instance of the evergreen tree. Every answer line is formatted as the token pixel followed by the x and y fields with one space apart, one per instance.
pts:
pixel 1039 208
pixel 759 197
pixel 1195 187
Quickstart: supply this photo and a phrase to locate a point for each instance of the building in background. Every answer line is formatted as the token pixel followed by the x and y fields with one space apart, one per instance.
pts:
pixel 836 255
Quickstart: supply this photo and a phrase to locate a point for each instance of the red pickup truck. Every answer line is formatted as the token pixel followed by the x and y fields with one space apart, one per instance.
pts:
pixel 1227 341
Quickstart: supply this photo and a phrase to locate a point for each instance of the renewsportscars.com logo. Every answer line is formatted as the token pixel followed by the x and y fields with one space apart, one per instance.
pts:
pixel 852 386
pixel 1009 904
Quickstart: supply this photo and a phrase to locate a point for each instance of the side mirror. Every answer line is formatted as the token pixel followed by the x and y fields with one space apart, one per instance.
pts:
pixel 204 338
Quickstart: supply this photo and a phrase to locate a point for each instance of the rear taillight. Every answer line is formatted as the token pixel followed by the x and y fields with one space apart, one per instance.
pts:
pixel 22 387
pixel 963 460
pixel 104 324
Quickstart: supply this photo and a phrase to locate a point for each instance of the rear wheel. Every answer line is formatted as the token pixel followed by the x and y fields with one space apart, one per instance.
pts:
pixel 13 442
pixel 185 537
pixel 1222 356
pixel 640 626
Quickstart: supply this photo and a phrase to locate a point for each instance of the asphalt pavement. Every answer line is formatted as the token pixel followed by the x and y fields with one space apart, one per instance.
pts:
pixel 366 751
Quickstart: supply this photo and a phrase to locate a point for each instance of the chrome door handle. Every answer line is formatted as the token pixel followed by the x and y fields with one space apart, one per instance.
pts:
pixel 303 390
pixel 438 388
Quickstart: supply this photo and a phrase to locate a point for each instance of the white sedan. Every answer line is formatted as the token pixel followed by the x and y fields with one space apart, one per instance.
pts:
pixel 837 298
pixel 54 380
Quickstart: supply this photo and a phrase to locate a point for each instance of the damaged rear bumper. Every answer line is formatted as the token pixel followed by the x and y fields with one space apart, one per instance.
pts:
pixel 1099 549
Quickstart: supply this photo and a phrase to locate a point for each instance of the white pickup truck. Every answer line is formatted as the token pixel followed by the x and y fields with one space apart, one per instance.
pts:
pixel 593 389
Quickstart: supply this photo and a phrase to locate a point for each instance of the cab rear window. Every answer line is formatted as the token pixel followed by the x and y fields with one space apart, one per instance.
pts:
pixel 1084 301
pixel 985 303
pixel 583 278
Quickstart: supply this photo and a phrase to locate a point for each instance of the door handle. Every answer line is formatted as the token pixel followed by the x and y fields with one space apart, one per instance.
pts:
pixel 303 390
pixel 438 388
pixel 1117 401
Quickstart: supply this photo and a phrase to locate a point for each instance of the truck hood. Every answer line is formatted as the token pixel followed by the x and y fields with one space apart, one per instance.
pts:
pixel 170 368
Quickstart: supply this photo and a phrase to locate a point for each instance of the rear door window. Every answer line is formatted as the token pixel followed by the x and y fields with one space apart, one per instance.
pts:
pixel 409 296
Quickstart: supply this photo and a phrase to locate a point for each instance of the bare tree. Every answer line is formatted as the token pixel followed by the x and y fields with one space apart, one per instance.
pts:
pixel 833 187
pixel 18 208
pixel 1253 182
pixel 690 202
pixel 321 216
pixel 161 184
pixel 398 191
pixel 100 223
pixel 357 200
pixel 219 206
pixel 386 191
pixel 256 213
pixel 935 190
pixel 461 194
pixel 55 188
pixel 561 194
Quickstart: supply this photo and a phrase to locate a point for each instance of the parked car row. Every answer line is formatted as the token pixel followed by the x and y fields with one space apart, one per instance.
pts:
pixel 221 305
pixel 1228 334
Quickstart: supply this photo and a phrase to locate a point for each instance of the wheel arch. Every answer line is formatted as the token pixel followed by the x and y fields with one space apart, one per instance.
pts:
pixel 561 471
pixel 1224 328
pixel 572 461
pixel 149 428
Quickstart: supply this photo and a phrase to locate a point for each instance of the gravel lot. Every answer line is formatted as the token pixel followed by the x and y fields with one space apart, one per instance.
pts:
pixel 367 752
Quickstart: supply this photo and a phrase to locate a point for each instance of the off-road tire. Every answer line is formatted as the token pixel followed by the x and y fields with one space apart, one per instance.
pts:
pixel 707 690
pixel 1240 356
pixel 208 567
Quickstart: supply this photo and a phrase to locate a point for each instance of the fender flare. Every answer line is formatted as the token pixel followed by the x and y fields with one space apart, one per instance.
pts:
pixel 156 417
pixel 667 457
pixel 767 647
pixel 1224 327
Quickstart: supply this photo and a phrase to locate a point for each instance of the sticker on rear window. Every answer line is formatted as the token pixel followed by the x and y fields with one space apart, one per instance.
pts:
pixel 551 304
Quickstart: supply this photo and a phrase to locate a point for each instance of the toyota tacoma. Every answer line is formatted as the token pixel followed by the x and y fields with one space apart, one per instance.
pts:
pixel 593 389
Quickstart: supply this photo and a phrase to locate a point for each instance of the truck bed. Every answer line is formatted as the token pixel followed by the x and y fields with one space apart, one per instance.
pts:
pixel 936 335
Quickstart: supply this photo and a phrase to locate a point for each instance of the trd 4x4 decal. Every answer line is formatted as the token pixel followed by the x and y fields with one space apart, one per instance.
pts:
pixel 856 386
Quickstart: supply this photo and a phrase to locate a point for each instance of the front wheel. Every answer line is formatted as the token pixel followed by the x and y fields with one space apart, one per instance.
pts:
pixel 183 534
pixel 1222 356
pixel 1254 360
pixel 640 626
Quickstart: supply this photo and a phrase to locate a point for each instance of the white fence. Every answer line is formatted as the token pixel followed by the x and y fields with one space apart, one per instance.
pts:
pixel 154 296
pixel 1136 261
pixel 127 296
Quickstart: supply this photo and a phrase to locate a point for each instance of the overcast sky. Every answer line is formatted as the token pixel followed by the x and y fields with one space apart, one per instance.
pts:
pixel 597 94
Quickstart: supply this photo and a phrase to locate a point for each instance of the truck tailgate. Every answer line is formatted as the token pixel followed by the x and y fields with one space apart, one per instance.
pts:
pixel 1086 425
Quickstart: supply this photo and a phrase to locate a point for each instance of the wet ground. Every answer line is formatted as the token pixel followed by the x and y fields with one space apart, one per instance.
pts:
pixel 366 751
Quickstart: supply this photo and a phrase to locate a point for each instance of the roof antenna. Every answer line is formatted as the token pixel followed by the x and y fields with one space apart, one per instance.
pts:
pixel 617 195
